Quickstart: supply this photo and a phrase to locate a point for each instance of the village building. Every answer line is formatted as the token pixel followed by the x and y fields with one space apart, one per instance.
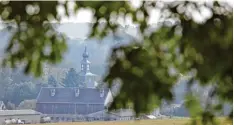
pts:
pixel 71 100
pixel 28 116
pixel 81 104
pixel 66 104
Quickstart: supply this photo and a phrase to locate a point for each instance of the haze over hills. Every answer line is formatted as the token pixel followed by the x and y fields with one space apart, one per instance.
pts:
pixel 98 50
pixel 77 39
pixel 98 55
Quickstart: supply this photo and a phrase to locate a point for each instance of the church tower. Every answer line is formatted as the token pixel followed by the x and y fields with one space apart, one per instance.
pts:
pixel 85 64
pixel 86 78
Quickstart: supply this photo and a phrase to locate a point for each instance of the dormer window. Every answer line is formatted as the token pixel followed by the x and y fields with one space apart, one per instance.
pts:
pixel 52 92
pixel 102 93
pixel 77 92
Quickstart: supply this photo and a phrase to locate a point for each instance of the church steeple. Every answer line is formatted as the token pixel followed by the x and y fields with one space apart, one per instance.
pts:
pixel 85 54
pixel 85 62
pixel 85 76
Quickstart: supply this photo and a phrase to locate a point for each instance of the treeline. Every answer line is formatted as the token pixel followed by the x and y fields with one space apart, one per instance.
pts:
pixel 17 87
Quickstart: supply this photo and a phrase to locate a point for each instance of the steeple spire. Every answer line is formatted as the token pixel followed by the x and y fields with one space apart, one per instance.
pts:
pixel 85 76
pixel 85 54
pixel 85 62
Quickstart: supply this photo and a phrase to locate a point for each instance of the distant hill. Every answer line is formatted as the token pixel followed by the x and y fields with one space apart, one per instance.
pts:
pixel 76 41
pixel 98 50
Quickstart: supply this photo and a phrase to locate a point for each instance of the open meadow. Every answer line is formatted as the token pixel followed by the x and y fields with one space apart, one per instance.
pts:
pixel 183 121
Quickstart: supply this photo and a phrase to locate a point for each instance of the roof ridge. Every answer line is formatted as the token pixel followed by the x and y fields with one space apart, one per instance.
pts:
pixel 39 94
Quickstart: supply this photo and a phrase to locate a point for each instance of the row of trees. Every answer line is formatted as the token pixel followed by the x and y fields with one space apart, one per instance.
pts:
pixel 71 80
pixel 17 87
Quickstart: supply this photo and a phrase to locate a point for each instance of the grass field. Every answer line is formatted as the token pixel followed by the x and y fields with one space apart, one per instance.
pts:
pixel 143 122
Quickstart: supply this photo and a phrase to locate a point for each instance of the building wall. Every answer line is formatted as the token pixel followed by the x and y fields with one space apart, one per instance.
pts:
pixel 90 81
pixel 27 118
pixel 120 118
pixel 68 108
pixel 53 108
pixel 98 116
pixel 91 108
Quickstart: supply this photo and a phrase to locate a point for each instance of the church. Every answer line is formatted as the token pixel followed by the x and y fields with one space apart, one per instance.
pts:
pixel 85 76
pixel 63 101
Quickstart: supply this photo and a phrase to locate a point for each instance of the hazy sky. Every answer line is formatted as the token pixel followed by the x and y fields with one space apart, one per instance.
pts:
pixel 86 15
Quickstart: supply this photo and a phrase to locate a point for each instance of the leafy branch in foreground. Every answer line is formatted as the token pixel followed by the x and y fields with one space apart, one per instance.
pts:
pixel 184 45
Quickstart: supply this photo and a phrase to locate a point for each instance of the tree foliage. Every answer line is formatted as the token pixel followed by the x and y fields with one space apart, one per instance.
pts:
pixel 181 42
pixel 52 82
pixel 16 87
pixel 5 81
pixel 10 106
pixel 21 91
pixel 27 104
pixel 71 79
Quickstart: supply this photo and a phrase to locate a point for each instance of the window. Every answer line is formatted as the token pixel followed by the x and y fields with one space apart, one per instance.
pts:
pixel 102 93
pixel 82 67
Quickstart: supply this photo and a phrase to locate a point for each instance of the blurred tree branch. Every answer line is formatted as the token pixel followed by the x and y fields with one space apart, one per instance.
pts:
pixel 184 44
